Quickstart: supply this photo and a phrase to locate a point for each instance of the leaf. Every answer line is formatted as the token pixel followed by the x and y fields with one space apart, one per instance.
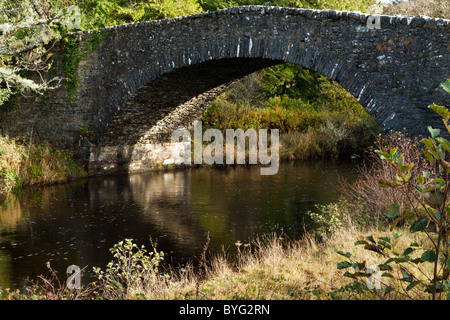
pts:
pixel 371 239
pixel 347 255
pixel 446 85
pixel 434 132
pixel 395 222
pixel 441 110
pixel 407 251
pixel 384 244
pixel 395 206
pixel 391 214
pixel 406 276
pixel 412 285
pixel 387 239
pixel 350 275
pixel 388 289
pixel 384 267
pixel 419 225
pixel 429 256
pixel 409 215
pixel 405 169
pixel 429 143
pixel 343 265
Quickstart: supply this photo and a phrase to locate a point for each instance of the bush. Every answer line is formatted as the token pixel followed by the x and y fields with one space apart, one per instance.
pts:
pixel 427 211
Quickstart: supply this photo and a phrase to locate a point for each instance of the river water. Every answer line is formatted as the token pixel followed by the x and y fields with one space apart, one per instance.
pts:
pixel 77 223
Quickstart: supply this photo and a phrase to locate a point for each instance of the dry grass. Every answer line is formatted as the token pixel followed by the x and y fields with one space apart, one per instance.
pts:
pixel 367 191
pixel 271 267
pixel 23 162
pixel 431 8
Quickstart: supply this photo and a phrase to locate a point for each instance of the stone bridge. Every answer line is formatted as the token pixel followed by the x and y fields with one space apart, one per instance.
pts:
pixel 143 80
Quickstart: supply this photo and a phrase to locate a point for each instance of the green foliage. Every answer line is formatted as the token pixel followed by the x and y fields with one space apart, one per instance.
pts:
pixel 97 14
pixel 27 29
pixel 74 53
pixel 133 267
pixel 328 120
pixel 331 217
pixel 71 59
pixel 360 5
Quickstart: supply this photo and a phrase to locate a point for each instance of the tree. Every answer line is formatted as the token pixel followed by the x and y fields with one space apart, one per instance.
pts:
pixel 28 29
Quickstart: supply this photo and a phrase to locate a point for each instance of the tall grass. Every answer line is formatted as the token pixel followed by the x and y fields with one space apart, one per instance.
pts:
pixel 25 163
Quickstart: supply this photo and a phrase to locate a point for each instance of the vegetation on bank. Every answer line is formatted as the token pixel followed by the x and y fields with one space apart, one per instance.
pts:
pixel 23 163
pixel 315 116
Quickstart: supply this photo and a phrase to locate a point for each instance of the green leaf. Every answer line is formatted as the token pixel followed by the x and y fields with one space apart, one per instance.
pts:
pixel 387 239
pixel 406 276
pixel 388 289
pixel 384 267
pixel 446 86
pixel 405 169
pixel 384 244
pixel 407 251
pixel 429 256
pixel 419 225
pixel 395 222
pixel 434 132
pixel 395 206
pixel 412 285
pixel 343 265
pixel 444 143
pixel 350 275
pixel 347 255
pixel 441 110
pixel 371 239
pixel 409 215
pixel 391 214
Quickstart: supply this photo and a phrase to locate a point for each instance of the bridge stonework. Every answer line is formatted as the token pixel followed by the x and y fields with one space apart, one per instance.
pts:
pixel 146 79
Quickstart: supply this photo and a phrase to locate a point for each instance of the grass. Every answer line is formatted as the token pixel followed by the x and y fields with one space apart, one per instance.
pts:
pixel 24 163
pixel 269 268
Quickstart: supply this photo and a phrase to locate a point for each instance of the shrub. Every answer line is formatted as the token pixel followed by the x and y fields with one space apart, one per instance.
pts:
pixel 428 207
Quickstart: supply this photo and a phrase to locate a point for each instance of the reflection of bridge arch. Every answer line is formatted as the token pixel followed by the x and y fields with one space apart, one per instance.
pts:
pixel 394 71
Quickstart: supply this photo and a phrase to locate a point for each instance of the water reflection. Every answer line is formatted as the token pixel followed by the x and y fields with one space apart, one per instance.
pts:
pixel 77 223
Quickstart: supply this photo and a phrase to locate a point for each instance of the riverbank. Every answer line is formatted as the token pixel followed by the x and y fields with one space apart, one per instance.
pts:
pixel 25 163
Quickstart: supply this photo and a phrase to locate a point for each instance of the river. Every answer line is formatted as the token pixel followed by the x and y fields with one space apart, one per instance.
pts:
pixel 77 223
